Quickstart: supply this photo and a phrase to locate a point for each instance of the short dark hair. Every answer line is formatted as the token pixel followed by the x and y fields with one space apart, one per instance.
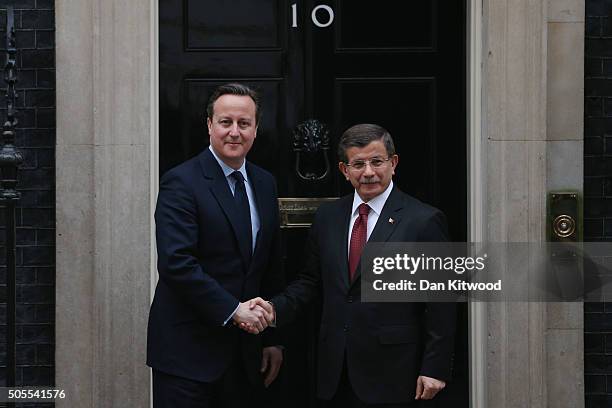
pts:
pixel 362 135
pixel 233 89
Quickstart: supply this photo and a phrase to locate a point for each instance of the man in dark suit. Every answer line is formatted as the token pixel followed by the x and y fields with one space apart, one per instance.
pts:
pixel 370 353
pixel 217 234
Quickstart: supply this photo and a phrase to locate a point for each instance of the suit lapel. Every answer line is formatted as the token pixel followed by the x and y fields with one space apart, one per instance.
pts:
pixel 340 239
pixel 222 193
pixel 389 219
pixel 259 191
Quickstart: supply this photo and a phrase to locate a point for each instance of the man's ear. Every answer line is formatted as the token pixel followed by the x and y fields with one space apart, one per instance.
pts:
pixel 344 170
pixel 394 162
pixel 208 125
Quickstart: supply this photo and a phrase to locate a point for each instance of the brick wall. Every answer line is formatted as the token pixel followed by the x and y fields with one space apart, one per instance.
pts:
pixel 598 192
pixel 35 215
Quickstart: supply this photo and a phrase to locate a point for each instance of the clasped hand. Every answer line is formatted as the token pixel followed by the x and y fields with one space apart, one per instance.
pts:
pixel 254 316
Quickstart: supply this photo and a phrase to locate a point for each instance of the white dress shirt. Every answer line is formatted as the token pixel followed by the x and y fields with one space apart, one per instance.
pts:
pixel 376 205
pixel 227 170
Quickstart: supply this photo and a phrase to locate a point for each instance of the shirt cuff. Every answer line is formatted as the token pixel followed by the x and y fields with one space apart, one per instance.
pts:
pixel 273 324
pixel 232 315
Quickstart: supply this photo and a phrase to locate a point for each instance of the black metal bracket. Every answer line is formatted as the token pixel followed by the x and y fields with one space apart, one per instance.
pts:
pixel 10 156
pixel 311 138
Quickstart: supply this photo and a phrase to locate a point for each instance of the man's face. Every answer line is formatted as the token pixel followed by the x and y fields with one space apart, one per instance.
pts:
pixel 233 128
pixel 370 181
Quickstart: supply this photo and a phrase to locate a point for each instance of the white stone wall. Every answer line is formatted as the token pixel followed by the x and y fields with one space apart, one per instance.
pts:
pixel 104 60
pixel 564 171
pixel 533 107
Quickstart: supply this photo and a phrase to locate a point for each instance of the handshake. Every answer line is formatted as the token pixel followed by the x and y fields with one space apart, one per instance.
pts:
pixel 255 315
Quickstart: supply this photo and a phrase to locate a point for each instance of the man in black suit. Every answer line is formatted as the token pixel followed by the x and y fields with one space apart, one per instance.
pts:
pixel 370 354
pixel 217 238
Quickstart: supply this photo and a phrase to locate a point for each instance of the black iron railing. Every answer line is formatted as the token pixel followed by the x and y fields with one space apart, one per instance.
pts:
pixel 10 159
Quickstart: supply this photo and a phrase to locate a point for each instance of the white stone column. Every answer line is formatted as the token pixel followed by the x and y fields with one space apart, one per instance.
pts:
pixel 532 98
pixel 104 164
pixel 565 133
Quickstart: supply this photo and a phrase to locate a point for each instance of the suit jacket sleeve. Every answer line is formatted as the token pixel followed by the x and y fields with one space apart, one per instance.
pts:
pixel 177 237
pixel 440 318
pixel 273 280
pixel 306 287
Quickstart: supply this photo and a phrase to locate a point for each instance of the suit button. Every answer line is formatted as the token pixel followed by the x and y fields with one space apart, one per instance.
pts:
pixel 350 299
pixel 346 327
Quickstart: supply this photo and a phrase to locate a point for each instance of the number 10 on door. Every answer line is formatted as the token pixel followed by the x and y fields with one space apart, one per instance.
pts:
pixel 323 19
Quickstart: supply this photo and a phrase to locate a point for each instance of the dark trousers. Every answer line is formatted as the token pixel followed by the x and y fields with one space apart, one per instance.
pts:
pixel 232 390
pixel 345 396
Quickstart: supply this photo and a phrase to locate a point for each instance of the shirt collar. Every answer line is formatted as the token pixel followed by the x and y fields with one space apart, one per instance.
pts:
pixel 227 170
pixel 377 203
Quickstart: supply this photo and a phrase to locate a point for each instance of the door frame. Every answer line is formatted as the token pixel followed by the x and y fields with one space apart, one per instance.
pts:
pixel 476 171
pixel 476 159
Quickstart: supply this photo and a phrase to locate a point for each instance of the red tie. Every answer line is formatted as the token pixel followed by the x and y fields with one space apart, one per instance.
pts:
pixel 358 238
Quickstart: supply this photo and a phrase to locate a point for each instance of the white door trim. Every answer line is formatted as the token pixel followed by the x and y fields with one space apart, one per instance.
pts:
pixel 477 311
pixel 154 152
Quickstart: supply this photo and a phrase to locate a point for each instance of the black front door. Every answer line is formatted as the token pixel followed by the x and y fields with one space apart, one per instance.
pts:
pixel 400 64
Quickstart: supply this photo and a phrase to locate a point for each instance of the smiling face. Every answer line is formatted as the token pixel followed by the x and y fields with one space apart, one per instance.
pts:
pixel 369 181
pixel 233 128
